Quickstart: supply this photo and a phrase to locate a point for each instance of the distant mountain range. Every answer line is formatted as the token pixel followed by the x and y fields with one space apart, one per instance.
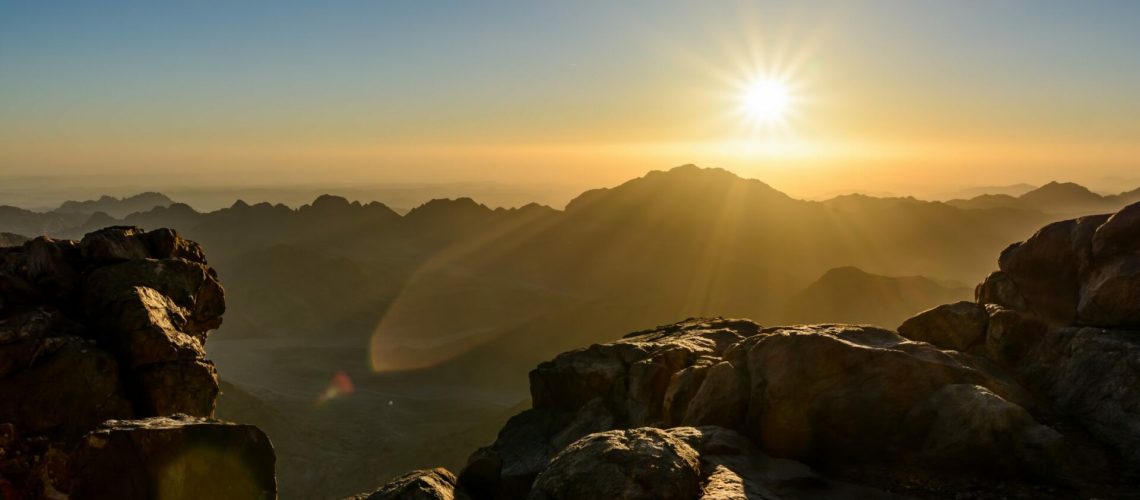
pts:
pixel 116 207
pixel 1053 198
pixel 851 295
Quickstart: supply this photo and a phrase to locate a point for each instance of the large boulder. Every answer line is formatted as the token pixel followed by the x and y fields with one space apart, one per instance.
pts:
pixel 644 463
pixel 843 394
pixel 173 458
pixel 1065 249
pixel 956 326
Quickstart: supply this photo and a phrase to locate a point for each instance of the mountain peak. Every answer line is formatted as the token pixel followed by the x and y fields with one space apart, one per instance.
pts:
pixel 688 184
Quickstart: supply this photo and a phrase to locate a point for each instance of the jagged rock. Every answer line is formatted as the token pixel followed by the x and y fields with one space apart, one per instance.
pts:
pixel 191 286
pixel 114 244
pixel 955 326
pixel 174 457
pixel 105 330
pixel 427 484
pixel 644 463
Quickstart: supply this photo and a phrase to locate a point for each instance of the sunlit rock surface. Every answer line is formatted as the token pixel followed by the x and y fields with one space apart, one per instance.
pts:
pixel 101 341
pixel 1031 392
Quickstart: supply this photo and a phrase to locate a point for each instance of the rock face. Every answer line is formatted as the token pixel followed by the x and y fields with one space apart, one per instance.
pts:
pixel 98 332
pixel 1032 391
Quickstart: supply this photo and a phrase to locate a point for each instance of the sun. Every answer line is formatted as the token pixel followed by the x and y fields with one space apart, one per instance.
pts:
pixel 766 101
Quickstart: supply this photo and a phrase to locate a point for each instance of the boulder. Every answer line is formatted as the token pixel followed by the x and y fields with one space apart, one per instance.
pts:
pixel 643 463
pixel 115 244
pixel 1110 294
pixel 961 422
pixel 175 457
pixel 1092 376
pixel 956 326
pixel 999 289
pixel 426 484
pixel 1064 249
pixel 842 394
pixel 1119 236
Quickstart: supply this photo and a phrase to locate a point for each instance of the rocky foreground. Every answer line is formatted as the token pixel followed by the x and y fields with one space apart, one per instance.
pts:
pixel 1032 391
pixel 105 390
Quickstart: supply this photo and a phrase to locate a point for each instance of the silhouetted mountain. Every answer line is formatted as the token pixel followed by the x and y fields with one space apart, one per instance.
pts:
pixel 117 207
pixel 11 240
pixel 1053 198
pixel 1009 190
pixel 21 221
pixel 850 295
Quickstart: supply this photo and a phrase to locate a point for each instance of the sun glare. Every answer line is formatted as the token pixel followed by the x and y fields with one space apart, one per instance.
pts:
pixel 766 101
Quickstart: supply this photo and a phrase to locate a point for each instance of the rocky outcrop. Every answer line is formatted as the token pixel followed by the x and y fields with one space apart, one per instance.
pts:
pixel 428 484
pixel 102 343
pixel 1032 391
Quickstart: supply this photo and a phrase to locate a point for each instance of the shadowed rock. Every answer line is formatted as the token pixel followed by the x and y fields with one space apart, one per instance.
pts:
pixel 956 326
pixel 112 328
pixel 427 484
pixel 638 464
pixel 174 458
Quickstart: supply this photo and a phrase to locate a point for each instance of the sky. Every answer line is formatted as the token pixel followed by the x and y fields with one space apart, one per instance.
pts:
pixel 901 97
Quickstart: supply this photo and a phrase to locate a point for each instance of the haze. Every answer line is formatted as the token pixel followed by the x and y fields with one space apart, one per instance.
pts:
pixel 906 98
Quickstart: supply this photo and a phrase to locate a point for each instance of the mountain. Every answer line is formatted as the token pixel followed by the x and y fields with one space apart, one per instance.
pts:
pixel 850 295
pixel 116 207
pixel 1054 198
pixel 1009 190
pixel 11 239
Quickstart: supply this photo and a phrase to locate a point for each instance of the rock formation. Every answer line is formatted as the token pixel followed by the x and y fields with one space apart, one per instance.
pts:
pixel 105 391
pixel 1031 391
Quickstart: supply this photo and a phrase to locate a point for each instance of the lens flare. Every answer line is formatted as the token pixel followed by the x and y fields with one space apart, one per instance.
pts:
pixel 340 385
